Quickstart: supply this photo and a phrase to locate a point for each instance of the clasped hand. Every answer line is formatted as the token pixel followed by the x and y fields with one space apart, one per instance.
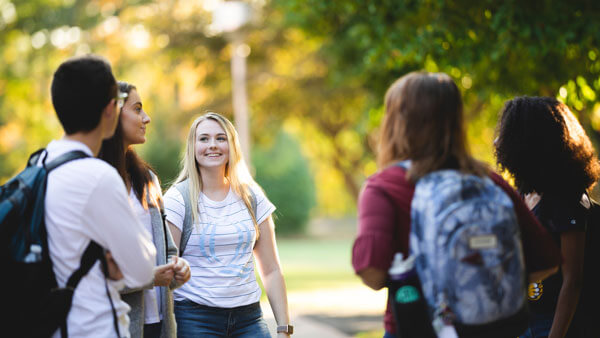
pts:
pixel 177 268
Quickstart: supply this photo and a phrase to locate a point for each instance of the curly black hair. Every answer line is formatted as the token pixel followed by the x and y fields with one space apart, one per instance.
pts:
pixel 541 143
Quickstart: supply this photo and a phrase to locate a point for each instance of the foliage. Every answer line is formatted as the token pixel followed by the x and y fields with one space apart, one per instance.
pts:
pixel 508 47
pixel 319 68
pixel 181 68
pixel 282 172
pixel 163 150
pixel 493 49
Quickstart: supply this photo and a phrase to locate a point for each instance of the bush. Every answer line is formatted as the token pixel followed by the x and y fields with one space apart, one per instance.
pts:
pixel 283 172
pixel 163 152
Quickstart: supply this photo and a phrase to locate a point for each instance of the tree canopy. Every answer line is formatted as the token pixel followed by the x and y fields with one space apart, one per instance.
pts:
pixel 317 69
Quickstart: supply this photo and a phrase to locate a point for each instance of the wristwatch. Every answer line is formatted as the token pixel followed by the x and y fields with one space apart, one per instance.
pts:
pixel 289 329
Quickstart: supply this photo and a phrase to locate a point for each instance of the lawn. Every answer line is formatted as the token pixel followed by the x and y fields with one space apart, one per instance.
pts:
pixel 316 263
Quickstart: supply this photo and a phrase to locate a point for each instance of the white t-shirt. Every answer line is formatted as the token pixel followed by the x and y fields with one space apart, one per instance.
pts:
pixel 152 296
pixel 86 200
pixel 220 249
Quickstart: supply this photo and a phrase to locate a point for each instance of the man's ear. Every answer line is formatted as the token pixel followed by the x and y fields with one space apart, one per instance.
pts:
pixel 110 117
pixel 110 109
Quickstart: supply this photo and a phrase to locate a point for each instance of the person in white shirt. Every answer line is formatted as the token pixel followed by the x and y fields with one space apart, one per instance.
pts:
pixel 86 201
pixel 151 313
pixel 222 219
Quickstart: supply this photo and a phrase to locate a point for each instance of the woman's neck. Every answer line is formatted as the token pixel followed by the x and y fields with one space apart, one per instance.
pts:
pixel 214 183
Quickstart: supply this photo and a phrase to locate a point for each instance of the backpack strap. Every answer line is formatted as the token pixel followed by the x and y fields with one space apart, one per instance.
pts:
pixel 64 158
pixel 35 157
pixel 186 232
pixel 92 253
pixel 161 210
pixel 254 204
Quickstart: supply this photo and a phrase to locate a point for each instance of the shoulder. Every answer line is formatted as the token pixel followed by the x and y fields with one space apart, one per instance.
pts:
pixel 565 214
pixel 173 193
pixel 502 183
pixel 392 179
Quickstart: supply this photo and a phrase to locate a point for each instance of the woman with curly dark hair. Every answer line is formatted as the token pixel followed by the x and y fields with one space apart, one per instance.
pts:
pixel 541 143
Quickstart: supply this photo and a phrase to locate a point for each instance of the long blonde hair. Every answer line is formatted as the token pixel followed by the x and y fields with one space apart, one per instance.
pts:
pixel 236 170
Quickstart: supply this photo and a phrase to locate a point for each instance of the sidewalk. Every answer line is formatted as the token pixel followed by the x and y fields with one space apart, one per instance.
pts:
pixel 335 313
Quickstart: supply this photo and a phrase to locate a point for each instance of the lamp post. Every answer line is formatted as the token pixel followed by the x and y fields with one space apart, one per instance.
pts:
pixel 229 18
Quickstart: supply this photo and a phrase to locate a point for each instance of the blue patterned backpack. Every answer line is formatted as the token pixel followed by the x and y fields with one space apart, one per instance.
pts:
pixel 465 237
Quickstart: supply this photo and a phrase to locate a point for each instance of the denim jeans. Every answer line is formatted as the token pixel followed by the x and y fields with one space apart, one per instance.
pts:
pixel 387 334
pixel 539 326
pixel 195 320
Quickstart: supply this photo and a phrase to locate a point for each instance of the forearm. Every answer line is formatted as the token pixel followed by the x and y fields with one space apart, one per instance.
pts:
pixel 565 309
pixel 277 295
pixel 127 290
pixel 541 275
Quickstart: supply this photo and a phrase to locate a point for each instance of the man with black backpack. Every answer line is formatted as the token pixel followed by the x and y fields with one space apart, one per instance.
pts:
pixel 95 242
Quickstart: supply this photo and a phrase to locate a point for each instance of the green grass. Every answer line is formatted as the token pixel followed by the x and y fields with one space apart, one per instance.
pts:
pixel 310 264
pixel 370 334
pixel 314 264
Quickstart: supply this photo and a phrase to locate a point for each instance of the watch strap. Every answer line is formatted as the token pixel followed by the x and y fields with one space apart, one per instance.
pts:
pixel 289 329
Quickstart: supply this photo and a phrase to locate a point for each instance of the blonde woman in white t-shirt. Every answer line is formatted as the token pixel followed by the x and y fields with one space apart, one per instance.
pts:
pixel 151 314
pixel 228 226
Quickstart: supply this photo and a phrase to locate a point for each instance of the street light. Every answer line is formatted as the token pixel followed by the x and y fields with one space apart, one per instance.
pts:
pixel 229 18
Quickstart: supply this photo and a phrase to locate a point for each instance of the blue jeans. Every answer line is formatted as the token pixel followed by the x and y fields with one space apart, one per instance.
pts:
pixel 539 326
pixel 195 320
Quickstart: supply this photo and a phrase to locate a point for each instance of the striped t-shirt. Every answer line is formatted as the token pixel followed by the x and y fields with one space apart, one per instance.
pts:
pixel 220 249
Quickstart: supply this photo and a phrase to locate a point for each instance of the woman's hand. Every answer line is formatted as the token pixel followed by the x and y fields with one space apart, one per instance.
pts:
pixel 163 274
pixel 182 270
pixel 532 199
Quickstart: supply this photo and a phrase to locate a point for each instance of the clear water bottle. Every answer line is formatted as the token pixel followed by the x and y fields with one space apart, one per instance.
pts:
pixel 34 255
pixel 408 305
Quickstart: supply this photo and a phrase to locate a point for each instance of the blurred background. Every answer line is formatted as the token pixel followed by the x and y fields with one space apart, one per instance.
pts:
pixel 308 76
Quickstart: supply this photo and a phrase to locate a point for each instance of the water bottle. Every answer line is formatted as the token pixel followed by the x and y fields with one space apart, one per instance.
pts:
pixel 408 305
pixel 34 255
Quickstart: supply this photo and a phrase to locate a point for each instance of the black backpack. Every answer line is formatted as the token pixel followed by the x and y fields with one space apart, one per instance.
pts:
pixel 36 306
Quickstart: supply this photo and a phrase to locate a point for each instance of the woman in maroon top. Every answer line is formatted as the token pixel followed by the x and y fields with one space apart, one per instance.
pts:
pixel 424 123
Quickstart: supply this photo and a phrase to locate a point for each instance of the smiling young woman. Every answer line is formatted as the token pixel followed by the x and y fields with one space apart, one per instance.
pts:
pixel 221 220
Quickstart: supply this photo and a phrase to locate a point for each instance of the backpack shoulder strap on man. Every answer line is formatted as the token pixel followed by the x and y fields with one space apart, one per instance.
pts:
pixel 64 158
pixel 63 297
pixel 184 189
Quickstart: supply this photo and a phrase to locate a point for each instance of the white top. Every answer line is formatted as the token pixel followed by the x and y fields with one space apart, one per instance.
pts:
pixel 86 200
pixel 220 249
pixel 152 296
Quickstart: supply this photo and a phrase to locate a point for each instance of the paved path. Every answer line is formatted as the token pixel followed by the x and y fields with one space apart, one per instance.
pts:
pixel 334 313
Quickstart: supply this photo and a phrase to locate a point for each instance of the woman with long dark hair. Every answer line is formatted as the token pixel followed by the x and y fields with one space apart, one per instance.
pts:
pixel 151 306
pixel 424 123
pixel 554 165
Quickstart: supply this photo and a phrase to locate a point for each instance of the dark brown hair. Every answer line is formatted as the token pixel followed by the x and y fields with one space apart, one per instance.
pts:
pixel 541 143
pixel 129 165
pixel 424 123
